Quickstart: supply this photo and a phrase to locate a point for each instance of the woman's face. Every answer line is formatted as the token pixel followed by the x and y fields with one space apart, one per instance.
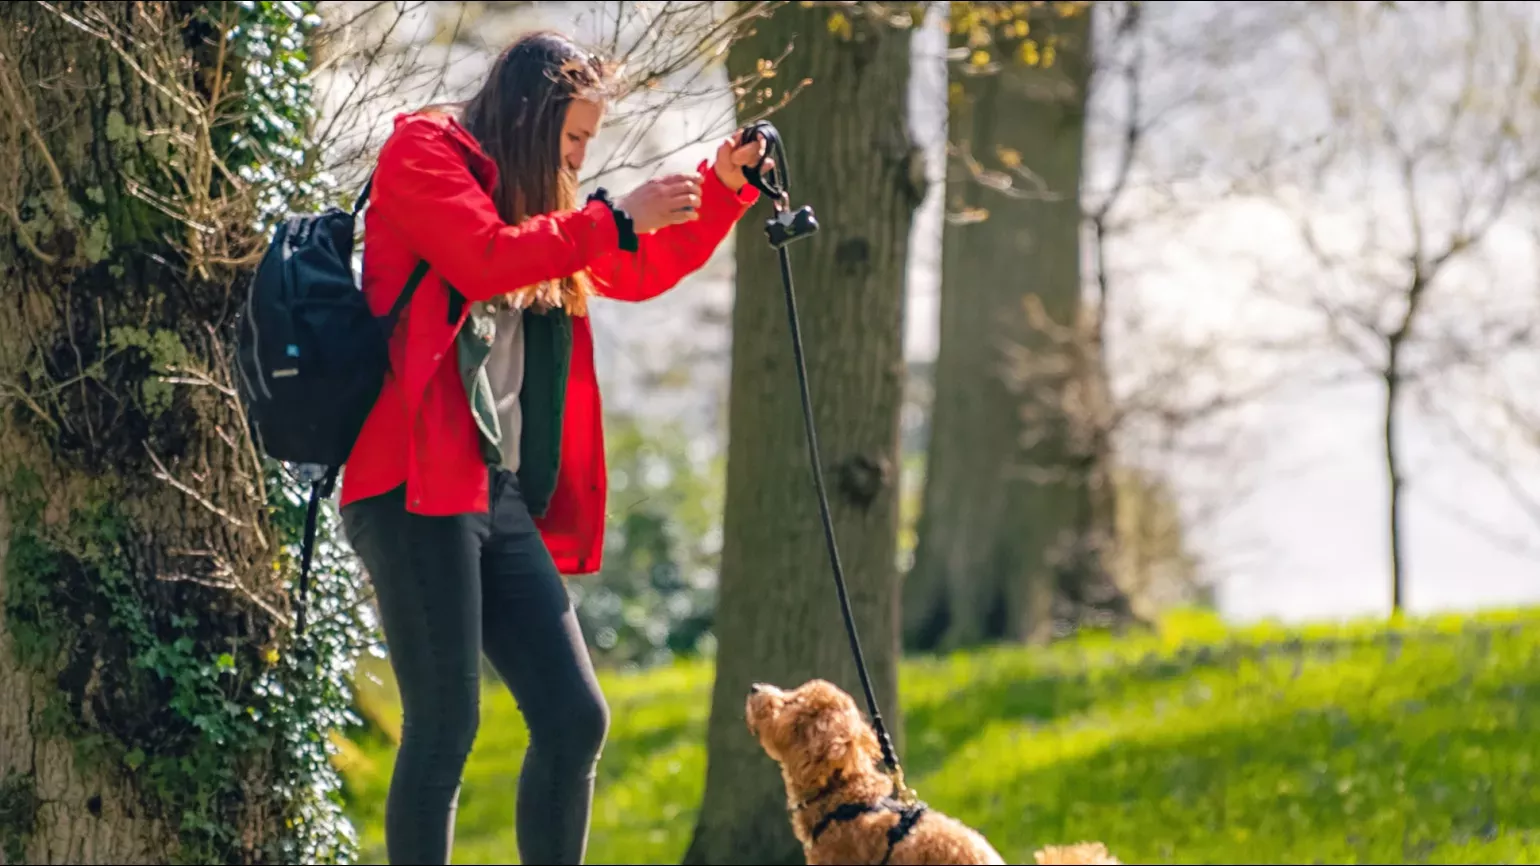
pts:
pixel 581 125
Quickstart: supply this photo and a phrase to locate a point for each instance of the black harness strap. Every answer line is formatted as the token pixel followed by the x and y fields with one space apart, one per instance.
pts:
pixel 844 812
pixel 908 816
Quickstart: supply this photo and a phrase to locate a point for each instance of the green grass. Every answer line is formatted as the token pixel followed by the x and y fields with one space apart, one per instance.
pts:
pixel 1342 744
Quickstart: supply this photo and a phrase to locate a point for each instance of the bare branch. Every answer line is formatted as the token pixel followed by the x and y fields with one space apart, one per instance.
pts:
pixel 381 58
pixel 164 474
pixel 221 576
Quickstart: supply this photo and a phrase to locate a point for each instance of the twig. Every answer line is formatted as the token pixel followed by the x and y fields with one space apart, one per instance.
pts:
pixel 26 237
pixel 32 404
pixel 26 118
pixel 197 377
pixel 225 585
pixel 124 54
pixel 164 474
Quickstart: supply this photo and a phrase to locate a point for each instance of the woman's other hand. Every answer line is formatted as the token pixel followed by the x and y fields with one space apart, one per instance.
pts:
pixel 663 201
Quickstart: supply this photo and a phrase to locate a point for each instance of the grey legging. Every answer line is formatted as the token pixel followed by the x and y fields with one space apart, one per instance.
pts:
pixel 448 589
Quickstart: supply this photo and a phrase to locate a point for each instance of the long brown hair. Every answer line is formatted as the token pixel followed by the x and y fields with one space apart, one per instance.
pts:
pixel 517 117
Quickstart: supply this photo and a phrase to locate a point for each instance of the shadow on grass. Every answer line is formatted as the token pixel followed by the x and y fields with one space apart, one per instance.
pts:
pixel 937 728
pixel 940 726
pixel 1317 785
pixel 623 755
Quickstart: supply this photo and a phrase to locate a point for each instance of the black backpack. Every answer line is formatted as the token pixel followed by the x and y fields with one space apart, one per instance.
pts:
pixel 311 356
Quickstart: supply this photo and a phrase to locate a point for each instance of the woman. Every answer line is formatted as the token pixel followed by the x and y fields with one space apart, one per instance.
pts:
pixel 479 478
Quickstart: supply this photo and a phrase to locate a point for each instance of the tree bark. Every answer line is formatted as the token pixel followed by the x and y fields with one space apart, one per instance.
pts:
pixel 131 509
pixel 778 617
pixel 1009 522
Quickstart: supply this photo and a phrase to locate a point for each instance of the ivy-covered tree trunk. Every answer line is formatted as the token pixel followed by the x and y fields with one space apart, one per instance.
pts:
pixel 778 617
pixel 1011 520
pixel 152 712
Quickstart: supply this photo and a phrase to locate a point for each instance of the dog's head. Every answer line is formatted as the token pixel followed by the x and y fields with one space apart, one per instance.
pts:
pixel 813 732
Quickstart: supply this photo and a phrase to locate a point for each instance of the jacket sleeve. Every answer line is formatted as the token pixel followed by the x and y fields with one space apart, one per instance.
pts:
pixel 665 257
pixel 425 190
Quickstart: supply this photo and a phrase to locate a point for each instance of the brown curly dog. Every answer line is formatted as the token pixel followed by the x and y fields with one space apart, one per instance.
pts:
pixel 843 806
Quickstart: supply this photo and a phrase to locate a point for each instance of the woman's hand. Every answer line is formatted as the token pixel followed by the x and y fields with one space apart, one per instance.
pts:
pixel 661 202
pixel 732 156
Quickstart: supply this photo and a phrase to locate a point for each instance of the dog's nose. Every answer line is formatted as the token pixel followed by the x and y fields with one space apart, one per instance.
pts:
pixel 756 688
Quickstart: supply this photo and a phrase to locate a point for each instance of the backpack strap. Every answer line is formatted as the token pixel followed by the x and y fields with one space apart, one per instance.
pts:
pixel 418 273
pixel 320 489
pixel 363 194
pixel 456 300
pixel 406 295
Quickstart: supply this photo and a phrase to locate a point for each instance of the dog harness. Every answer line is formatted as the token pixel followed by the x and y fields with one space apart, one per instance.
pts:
pixel 908 816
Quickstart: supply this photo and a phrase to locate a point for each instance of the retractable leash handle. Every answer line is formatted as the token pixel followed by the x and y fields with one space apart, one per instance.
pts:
pixel 774 184
pixel 788 226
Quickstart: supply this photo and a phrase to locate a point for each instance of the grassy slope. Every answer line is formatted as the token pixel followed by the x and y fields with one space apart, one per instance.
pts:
pixel 1331 745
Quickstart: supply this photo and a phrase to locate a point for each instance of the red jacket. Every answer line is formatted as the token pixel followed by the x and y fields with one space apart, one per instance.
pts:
pixel 430 200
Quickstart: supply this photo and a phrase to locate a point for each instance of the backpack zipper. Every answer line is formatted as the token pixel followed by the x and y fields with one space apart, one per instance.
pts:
pixel 256 343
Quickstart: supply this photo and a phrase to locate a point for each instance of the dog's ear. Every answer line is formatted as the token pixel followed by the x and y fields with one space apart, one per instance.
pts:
pixel 836 739
pixel 836 744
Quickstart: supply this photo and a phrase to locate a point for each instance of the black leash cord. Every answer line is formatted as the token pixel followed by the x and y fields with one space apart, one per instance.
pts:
pixel 776 187
pixel 888 756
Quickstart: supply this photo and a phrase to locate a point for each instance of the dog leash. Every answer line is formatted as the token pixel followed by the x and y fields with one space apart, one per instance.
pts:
pixel 784 228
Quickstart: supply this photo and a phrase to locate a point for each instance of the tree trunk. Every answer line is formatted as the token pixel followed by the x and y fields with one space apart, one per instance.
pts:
pixel 778 617
pixel 1394 378
pixel 1008 506
pixel 1393 475
pixel 137 574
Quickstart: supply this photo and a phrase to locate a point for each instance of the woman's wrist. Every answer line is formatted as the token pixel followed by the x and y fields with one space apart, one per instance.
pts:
pixel 624 227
